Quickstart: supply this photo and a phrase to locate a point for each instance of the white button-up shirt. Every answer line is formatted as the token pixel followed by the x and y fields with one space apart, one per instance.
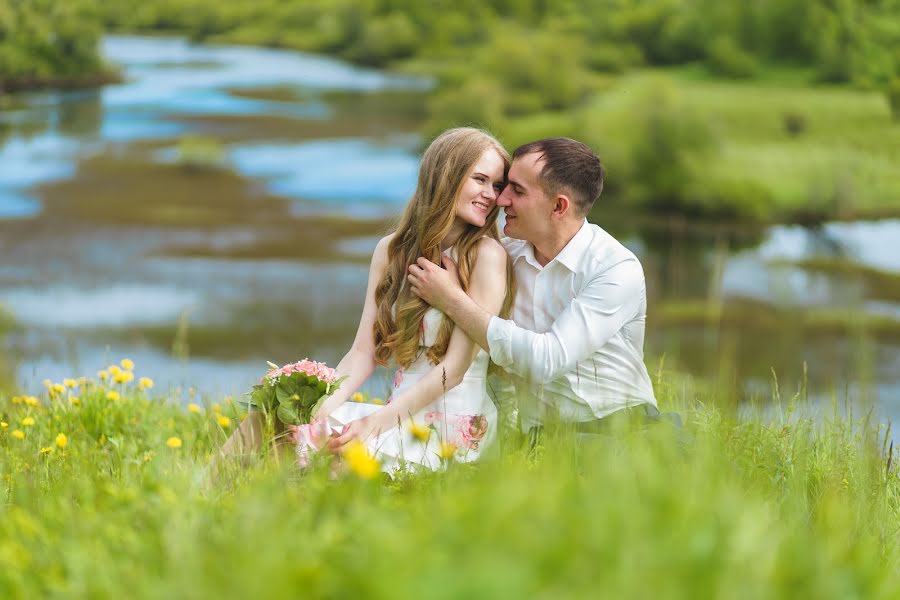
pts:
pixel 575 345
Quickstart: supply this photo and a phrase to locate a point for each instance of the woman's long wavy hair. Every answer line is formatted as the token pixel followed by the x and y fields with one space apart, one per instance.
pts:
pixel 428 219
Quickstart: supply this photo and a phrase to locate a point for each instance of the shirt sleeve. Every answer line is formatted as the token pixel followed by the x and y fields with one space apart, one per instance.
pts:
pixel 609 301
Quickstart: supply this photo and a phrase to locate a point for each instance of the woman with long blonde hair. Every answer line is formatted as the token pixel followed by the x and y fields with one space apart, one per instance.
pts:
pixel 439 407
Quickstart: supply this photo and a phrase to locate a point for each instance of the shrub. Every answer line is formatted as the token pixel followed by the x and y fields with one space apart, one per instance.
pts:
pixel 728 59
pixel 893 96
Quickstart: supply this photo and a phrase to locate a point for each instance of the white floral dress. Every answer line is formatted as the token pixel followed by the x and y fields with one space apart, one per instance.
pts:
pixel 464 418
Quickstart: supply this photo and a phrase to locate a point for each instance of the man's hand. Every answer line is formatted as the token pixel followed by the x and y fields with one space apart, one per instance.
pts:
pixel 433 284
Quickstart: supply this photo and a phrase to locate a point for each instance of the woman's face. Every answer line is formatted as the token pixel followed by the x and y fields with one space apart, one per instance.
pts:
pixel 480 190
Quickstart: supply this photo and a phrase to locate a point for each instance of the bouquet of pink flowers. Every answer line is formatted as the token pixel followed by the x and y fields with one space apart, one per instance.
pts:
pixel 295 390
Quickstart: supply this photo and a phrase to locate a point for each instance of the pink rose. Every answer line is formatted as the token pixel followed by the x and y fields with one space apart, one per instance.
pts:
pixel 433 417
pixel 471 430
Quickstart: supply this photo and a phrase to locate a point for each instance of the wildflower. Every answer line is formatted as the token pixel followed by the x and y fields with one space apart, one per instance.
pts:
pixel 377 401
pixel 216 408
pixel 47 383
pixel 18 434
pixel 123 377
pixel 113 395
pixel 47 450
pixel 28 421
pixel 224 422
pixel 358 459
pixel 127 364
pixel 16 400
pixel 194 408
pixel 448 450
pixel 148 456
pixel 357 397
pixel 56 389
pixel 61 440
pixel 173 442
pixel 145 383
pixel 31 401
pixel 103 375
pixel 70 383
pixel 420 432
pixel 113 369
pixel 75 401
pixel 3 424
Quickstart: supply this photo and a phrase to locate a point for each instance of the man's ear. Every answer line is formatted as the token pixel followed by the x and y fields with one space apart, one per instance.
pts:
pixel 561 207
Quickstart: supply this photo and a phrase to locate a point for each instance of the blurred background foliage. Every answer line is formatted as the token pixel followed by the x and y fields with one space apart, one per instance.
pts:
pixel 688 136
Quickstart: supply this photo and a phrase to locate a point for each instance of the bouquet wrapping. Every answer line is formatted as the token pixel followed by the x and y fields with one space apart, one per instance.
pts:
pixel 294 391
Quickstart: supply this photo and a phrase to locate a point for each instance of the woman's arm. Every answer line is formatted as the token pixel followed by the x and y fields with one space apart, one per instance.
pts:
pixel 488 288
pixel 359 362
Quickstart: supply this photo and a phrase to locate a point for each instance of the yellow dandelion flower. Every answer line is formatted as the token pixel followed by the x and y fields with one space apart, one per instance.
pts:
pixel 47 383
pixel 82 381
pixel 18 434
pixel 127 364
pixel 145 383
pixel 61 440
pixel 148 456
pixel 420 432
pixel 377 401
pixel 123 377
pixel 75 401
pixel 47 450
pixel 224 422
pixel 56 389
pixel 28 421
pixel 448 450
pixel 3 424
pixel 194 408
pixel 216 408
pixel 359 461
pixel 103 375
pixel 17 400
pixel 113 369
pixel 70 383
pixel 357 397
pixel 173 442
pixel 31 400
pixel 113 395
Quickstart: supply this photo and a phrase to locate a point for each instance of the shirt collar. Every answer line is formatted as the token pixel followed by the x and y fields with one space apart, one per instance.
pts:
pixel 572 252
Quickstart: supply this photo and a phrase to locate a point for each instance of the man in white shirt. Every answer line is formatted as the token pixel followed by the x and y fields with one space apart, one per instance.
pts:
pixel 574 346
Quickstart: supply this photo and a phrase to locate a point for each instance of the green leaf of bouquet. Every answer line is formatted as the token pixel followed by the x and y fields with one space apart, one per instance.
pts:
pixel 283 392
pixel 308 396
pixel 334 385
pixel 288 414
pixel 262 397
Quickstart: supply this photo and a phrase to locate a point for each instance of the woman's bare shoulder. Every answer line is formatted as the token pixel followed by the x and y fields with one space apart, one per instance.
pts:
pixel 491 251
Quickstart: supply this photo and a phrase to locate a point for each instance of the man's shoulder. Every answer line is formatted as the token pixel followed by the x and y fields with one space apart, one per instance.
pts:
pixel 605 251
pixel 514 247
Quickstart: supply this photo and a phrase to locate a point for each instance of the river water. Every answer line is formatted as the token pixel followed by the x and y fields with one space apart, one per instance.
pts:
pixel 218 209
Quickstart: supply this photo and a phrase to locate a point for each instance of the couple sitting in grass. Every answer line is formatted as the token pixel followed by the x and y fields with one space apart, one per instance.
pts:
pixel 557 304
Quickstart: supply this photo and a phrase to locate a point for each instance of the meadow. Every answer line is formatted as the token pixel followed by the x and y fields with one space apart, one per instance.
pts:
pixel 108 493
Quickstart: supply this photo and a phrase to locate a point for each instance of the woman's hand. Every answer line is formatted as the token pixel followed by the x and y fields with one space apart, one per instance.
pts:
pixel 361 429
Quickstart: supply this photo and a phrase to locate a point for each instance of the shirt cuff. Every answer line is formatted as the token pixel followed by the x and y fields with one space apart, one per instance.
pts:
pixel 499 339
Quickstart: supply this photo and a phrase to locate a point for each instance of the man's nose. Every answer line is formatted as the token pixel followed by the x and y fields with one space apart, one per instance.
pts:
pixel 503 198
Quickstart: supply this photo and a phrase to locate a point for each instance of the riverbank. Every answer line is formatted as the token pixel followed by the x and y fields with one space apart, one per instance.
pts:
pixel 105 496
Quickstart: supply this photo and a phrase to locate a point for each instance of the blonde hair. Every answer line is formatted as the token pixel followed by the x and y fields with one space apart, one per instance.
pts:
pixel 425 223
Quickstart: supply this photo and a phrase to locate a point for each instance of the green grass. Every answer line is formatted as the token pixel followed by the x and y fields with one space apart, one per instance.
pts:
pixel 779 505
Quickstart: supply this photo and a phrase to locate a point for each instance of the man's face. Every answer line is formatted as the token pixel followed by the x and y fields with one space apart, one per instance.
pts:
pixel 526 205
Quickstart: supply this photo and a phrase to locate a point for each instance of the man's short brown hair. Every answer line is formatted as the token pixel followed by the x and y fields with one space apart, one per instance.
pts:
pixel 569 166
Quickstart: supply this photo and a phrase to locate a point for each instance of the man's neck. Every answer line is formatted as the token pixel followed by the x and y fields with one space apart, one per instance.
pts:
pixel 550 245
